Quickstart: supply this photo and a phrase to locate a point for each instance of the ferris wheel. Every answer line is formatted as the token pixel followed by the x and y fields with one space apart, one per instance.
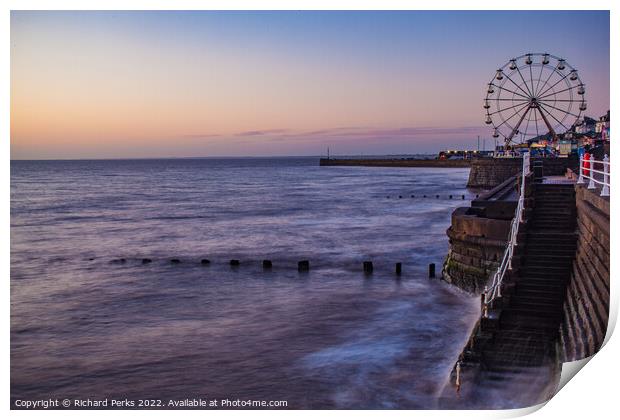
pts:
pixel 534 95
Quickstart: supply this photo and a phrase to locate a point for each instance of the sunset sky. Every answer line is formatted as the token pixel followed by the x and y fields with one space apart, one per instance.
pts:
pixel 176 84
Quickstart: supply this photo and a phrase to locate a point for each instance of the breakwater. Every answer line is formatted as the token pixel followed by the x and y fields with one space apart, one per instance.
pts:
pixel 408 163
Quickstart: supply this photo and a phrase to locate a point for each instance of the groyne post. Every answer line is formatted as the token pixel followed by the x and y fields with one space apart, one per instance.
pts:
pixel 431 270
pixel 368 267
pixel 399 268
pixel 303 265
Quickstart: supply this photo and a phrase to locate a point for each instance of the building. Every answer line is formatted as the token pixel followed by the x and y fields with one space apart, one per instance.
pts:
pixel 602 127
pixel 589 125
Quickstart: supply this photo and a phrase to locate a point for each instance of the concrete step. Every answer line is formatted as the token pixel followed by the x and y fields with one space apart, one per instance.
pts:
pixel 552 220
pixel 553 195
pixel 557 259
pixel 523 334
pixel 554 187
pixel 547 275
pixel 542 228
pixel 555 210
pixel 550 296
pixel 553 204
pixel 547 215
pixel 542 284
pixel 560 209
pixel 563 236
pixel 550 250
pixel 541 254
pixel 496 359
pixel 554 192
pixel 514 317
pixel 537 300
pixel 537 308
pixel 529 317
pixel 537 243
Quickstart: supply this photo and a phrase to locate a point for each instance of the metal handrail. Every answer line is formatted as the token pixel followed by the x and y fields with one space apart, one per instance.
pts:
pixel 506 263
pixel 591 171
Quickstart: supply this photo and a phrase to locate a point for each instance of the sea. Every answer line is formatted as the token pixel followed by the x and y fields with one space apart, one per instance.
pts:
pixel 111 298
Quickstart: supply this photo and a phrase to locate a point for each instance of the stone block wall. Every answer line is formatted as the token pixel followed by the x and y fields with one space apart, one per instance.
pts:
pixel 489 172
pixel 477 245
pixel 586 308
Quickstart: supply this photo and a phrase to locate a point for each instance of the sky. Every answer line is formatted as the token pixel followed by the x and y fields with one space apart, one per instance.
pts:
pixel 98 84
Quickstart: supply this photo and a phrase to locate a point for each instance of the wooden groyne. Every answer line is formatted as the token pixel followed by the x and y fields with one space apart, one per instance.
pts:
pixel 397 163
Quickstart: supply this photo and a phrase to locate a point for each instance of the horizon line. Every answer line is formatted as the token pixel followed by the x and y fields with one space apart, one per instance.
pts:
pixel 225 157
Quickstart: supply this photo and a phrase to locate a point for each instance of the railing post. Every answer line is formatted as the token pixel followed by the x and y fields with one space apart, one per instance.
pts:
pixel 591 185
pixel 580 180
pixel 605 189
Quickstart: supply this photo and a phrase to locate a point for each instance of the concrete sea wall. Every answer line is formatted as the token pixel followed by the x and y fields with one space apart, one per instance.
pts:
pixel 586 309
pixel 477 237
pixel 477 245
pixel 489 172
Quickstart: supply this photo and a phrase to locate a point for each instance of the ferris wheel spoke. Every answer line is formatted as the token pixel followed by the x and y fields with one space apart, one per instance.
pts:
pixel 515 113
pixel 555 84
pixel 548 78
pixel 524 82
pixel 507 108
pixel 531 78
pixel 557 109
pixel 558 92
pixel 528 122
pixel 522 90
pixel 552 116
pixel 542 67
pixel 512 91
pixel 558 100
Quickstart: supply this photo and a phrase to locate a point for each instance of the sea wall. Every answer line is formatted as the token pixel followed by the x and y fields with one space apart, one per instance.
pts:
pixel 489 172
pixel 476 248
pixel 477 237
pixel 586 308
pixel 411 163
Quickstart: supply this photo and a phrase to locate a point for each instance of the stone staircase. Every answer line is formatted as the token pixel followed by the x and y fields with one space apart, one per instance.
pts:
pixel 521 331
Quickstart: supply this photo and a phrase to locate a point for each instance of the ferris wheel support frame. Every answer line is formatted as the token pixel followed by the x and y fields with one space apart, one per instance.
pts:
pixel 535 107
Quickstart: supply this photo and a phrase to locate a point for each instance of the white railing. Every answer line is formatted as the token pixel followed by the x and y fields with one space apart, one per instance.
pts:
pixel 587 171
pixel 506 263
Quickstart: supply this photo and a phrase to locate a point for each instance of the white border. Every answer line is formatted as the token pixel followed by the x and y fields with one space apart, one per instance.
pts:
pixel 592 395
